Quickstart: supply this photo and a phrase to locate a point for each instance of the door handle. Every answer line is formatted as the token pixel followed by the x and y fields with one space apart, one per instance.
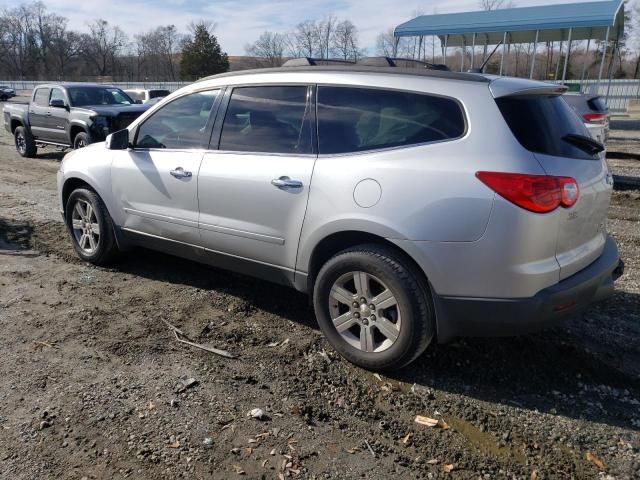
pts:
pixel 286 182
pixel 180 173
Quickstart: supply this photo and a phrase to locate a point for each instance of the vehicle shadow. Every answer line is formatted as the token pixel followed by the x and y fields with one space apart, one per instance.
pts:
pixel 581 369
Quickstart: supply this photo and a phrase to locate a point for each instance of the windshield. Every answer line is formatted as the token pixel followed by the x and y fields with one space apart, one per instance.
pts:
pixel 85 96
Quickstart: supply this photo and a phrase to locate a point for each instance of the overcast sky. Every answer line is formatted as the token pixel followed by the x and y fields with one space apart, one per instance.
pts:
pixel 241 21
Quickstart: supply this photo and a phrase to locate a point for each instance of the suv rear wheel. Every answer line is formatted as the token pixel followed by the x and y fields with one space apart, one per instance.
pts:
pixel 372 307
pixel 91 227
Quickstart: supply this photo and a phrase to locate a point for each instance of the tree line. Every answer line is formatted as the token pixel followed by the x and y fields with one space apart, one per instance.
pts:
pixel 37 44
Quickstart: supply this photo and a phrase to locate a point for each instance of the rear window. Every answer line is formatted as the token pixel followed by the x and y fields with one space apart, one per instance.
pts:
pixel 541 122
pixel 598 104
pixel 41 97
pixel 352 119
pixel 158 93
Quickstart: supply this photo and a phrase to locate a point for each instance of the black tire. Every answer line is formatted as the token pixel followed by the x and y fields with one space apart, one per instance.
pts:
pixel 24 142
pixel 411 291
pixel 81 140
pixel 4 98
pixel 106 249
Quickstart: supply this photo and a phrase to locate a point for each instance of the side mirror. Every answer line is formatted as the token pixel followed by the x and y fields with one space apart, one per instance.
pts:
pixel 138 102
pixel 57 103
pixel 118 140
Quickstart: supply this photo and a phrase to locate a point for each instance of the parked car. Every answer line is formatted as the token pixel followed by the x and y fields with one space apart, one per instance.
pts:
pixel 6 93
pixel 593 111
pixel 69 115
pixel 409 204
pixel 144 96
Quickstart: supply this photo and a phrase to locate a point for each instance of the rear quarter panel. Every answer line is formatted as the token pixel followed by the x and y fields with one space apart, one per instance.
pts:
pixel 429 193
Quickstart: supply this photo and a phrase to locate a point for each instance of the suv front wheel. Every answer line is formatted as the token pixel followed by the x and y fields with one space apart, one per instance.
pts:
pixel 91 227
pixel 373 308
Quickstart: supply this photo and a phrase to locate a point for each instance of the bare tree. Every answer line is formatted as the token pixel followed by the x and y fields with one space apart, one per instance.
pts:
pixel 306 38
pixel 269 48
pixel 345 41
pixel 64 47
pixel 495 4
pixel 101 46
pixel 325 31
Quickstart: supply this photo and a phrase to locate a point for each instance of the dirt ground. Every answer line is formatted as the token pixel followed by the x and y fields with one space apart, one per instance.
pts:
pixel 94 384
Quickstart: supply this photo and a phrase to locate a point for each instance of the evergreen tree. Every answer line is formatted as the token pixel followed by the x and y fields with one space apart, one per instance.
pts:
pixel 202 55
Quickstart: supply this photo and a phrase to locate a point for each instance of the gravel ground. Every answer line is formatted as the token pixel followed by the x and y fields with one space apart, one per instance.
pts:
pixel 95 385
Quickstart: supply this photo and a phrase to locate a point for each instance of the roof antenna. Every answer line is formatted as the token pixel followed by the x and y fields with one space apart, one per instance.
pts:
pixel 481 69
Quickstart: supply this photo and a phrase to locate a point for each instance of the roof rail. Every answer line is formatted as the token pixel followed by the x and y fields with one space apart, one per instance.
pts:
pixel 312 62
pixel 400 63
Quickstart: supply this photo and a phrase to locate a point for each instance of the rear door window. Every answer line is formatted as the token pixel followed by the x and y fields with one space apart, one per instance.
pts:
pixel 273 119
pixel 598 104
pixel 352 119
pixel 41 98
pixel 541 122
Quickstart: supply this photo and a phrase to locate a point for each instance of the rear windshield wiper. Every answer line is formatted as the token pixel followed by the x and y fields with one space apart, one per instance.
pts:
pixel 584 143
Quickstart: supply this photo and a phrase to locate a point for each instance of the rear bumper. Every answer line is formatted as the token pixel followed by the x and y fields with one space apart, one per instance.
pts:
pixel 490 317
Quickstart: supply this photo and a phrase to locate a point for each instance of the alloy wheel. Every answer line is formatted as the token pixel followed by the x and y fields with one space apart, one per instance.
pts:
pixel 365 312
pixel 85 226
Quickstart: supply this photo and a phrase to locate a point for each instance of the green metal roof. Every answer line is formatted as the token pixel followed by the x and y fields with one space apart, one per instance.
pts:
pixel 586 19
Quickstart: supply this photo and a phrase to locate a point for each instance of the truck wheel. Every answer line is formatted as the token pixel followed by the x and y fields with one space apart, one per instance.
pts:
pixel 82 140
pixel 374 308
pixel 25 145
pixel 91 227
pixel 4 98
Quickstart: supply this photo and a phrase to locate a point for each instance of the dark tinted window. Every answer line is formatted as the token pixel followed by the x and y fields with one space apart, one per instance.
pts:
pixel 357 119
pixel 42 97
pixel 180 124
pixel 268 119
pixel 89 96
pixel 158 93
pixel 598 104
pixel 541 122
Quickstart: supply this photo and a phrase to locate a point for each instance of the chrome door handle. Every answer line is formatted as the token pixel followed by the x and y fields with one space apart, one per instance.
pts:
pixel 286 182
pixel 180 173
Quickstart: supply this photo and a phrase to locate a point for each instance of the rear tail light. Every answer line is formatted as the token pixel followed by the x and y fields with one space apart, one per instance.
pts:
pixel 536 193
pixel 594 117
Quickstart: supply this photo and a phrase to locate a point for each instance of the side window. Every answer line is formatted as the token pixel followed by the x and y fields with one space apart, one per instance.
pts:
pixel 268 119
pixel 357 119
pixel 57 94
pixel 41 98
pixel 181 124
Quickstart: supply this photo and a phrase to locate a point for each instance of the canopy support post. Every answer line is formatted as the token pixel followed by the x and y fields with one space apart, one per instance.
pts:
pixel 533 56
pixel 420 47
pixel 463 52
pixel 566 58
pixel 504 48
pixel 604 55
pixel 616 45
pixel 584 64
pixel 444 52
pixel 473 52
pixel 396 42
pixel 555 77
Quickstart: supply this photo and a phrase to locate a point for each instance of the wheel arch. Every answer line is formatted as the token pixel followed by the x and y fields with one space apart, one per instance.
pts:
pixel 15 123
pixel 342 240
pixel 75 129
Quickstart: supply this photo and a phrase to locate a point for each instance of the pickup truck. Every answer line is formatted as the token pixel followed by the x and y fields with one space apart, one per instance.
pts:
pixel 69 115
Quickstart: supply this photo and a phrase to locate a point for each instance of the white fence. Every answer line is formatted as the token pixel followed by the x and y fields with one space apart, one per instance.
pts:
pixel 618 95
pixel 30 84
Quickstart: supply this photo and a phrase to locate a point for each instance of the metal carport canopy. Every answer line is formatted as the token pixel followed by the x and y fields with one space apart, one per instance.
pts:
pixel 588 20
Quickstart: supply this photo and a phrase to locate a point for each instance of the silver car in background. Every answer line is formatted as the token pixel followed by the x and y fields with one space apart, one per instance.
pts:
pixel 147 96
pixel 593 111
pixel 411 205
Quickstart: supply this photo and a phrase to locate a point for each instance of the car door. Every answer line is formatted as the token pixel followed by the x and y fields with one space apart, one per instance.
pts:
pixel 155 181
pixel 38 111
pixel 253 189
pixel 57 120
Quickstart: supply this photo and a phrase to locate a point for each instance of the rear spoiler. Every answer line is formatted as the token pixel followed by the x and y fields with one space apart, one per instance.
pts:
pixel 517 87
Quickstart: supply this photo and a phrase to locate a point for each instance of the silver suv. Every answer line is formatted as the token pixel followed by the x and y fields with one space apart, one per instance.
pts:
pixel 410 204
